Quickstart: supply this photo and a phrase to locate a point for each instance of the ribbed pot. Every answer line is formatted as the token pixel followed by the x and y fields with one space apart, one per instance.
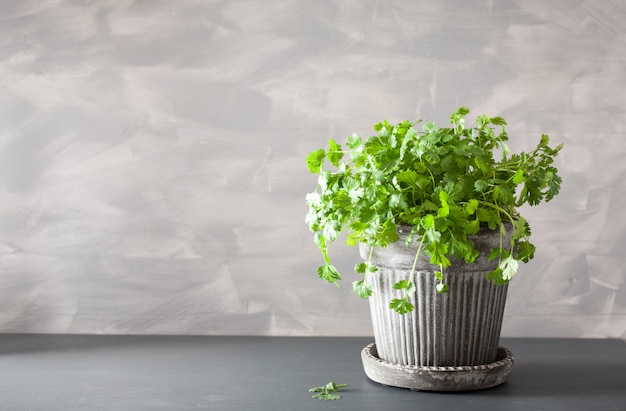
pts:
pixel 457 328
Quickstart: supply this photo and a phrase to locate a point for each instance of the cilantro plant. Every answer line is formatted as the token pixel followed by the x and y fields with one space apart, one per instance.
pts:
pixel 445 183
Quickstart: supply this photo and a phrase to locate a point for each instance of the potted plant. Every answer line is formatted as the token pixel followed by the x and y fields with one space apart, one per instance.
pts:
pixel 435 213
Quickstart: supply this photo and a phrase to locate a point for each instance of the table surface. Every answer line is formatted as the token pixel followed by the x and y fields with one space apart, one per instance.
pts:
pixel 104 372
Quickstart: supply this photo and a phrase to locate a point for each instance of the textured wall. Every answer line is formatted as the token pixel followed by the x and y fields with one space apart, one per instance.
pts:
pixel 152 173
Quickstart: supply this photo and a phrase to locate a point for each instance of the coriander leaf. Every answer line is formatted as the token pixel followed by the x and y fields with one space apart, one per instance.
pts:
pixel 326 393
pixel 481 185
pixel 472 227
pixel 329 273
pixel 521 228
pixel 471 256
pixel 437 252
pixel 396 200
pixel 352 239
pixel 400 285
pixel 498 121
pixel 401 305
pixel 407 285
pixel 362 288
pixel 509 267
pixel 407 176
pixel 525 251
pixel 442 288
pixel 360 268
pixel 518 178
pixel 554 186
pixel 326 396
pixel 494 253
pixel 482 120
pixel 388 235
pixel 471 206
pixel 354 141
pixel 444 210
pixel 335 153
pixel 429 127
pixel 315 159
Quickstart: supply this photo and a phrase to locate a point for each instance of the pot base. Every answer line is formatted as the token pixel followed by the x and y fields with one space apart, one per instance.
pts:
pixel 463 378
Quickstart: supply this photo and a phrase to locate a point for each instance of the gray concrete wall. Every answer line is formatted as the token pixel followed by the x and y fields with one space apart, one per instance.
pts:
pixel 152 173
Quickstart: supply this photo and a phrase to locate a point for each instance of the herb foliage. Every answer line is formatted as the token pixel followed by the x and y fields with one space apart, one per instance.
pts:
pixel 444 182
pixel 327 392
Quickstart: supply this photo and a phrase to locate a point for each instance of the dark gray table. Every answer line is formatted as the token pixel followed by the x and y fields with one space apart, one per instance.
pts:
pixel 74 372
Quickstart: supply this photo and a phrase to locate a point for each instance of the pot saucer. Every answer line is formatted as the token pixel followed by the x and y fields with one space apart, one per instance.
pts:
pixel 462 378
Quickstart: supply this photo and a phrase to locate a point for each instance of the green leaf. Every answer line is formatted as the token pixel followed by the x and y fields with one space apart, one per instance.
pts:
pixel 409 177
pixel 525 251
pixel 471 256
pixel 352 239
pixel 400 285
pixel 388 235
pixel 482 120
pixel 407 285
pixel 315 159
pixel 494 275
pixel 483 164
pixel 521 228
pixel 509 267
pixel 502 195
pixel 457 116
pixel 401 305
pixel 437 252
pixel 355 193
pixel 429 127
pixel 498 121
pixel 329 273
pixel 481 185
pixel 518 178
pixel 472 227
pixel 494 253
pixel 335 153
pixel 396 200
pixel 362 288
pixel 471 206
pixel 428 221
pixel 442 288
pixel 326 396
pixel 485 215
pixel 444 210
pixel 360 268
pixel 354 141
pixel 326 393
pixel 554 186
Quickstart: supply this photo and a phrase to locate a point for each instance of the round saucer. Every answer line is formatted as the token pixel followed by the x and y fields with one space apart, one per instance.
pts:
pixel 463 378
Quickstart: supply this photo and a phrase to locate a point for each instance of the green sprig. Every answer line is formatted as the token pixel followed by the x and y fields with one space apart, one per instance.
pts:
pixel 326 393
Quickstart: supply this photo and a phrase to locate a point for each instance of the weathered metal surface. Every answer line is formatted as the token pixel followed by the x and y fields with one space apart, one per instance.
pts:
pixel 460 327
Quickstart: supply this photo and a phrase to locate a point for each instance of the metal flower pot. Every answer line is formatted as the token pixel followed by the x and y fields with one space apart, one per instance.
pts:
pixel 460 328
